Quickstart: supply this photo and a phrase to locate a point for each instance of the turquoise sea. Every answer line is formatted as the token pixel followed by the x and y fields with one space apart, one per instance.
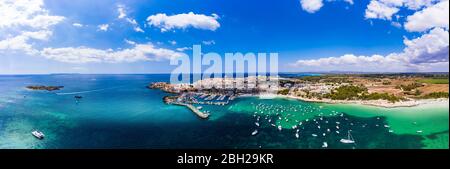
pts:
pixel 118 111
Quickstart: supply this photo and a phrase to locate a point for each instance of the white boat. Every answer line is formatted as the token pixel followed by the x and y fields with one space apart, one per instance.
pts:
pixel 279 128
pixel 314 135
pixel 419 131
pixel 296 135
pixel 38 134
pixel 257 124
pixel 324 145
pixel 255 132
pixel 349 139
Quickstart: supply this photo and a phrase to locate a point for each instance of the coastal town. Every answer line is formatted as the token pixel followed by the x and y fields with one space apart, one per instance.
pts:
pixel 384 90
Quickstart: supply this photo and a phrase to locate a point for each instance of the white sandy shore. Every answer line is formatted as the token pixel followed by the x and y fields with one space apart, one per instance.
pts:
pixel 379 103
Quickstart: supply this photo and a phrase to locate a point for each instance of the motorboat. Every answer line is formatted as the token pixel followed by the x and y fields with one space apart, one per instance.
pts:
pixel 38 134
pixel 255 132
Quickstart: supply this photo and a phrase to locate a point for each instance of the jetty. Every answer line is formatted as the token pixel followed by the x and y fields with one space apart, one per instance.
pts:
pixel 193 109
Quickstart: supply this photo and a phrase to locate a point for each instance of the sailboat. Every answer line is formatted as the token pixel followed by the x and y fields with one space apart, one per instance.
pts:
pixel 349 139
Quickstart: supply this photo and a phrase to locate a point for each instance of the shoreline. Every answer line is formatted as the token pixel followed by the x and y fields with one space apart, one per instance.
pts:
pixel 376 103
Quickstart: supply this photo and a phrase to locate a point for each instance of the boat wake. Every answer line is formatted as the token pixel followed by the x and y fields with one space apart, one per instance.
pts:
pixel 88 91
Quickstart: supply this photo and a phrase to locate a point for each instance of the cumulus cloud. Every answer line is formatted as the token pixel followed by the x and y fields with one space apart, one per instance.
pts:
pixel 140 52
pixel 429 48
pixel 183 21
pixel 311 6
pixel 379 10
pixel 385 9
pixel 26 13
pixel 420 54
pixel 28 21
pixel 103 27
pixel 434 16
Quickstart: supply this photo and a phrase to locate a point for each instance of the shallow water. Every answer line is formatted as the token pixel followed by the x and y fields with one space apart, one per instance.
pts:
pixel 118 111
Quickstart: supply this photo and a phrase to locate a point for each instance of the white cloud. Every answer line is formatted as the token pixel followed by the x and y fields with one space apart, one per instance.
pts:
pixel 77 25
pixel 311 6
pixel 130 42
pixel 121 11
pixel 418 4
pixel 432 16
pixel 209 42
pixel 140 52
pixel 429 48
pixel 183 49
pixel 103 27
pixel 26 13
pixel 396 24
pixel 349 1
pixel 379 10
pixel 172 42
pixel 420 54
pixel 123 15
pixel 25 20
pixel 183 21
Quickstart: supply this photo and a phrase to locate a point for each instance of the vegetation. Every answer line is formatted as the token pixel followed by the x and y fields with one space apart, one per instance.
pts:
pixel 435 95
pixel 383 96
pixel 434 80
pixel 347 92
pixel 409 87
pixel 387 82
pixel 283 91
pixel 350 92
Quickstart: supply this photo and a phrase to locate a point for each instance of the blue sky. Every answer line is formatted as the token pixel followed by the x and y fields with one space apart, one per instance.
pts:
pixel 334 35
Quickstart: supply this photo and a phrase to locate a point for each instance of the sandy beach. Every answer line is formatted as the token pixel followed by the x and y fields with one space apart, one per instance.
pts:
pixel 378 103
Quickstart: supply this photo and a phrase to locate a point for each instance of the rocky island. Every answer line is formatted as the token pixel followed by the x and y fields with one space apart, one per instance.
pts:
pixel 46 88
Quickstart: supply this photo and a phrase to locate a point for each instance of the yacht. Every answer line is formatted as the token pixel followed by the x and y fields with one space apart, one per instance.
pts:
pixel 349 139
pixel 38 134
pixel 324 145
